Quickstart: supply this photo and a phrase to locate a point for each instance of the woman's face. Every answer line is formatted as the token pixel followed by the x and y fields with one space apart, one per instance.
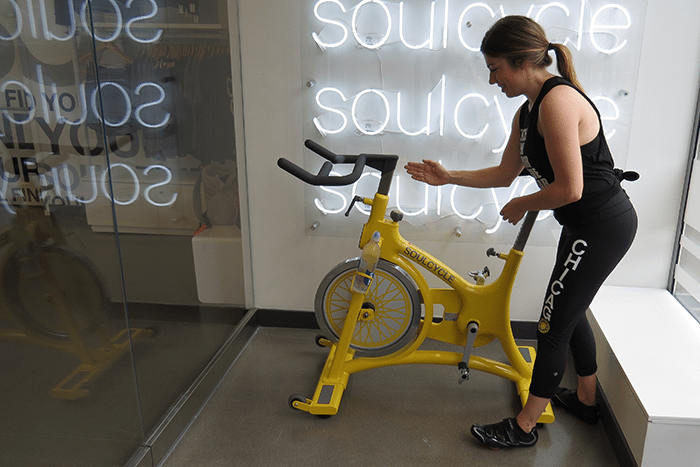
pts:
pixel 509 79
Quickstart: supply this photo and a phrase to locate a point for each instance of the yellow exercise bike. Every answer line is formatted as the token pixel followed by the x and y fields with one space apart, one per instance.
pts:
pixel 388 324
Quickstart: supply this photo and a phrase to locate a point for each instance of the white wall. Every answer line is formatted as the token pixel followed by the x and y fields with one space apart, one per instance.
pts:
pixel 662 127
pixel 287 264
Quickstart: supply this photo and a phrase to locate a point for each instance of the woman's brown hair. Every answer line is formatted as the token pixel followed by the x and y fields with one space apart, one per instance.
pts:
pixel 520 39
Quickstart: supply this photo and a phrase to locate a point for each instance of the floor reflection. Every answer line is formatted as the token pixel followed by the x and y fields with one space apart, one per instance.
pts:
pixel 107 423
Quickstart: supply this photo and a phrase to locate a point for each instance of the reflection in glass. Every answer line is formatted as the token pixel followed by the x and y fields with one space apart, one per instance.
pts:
pixel 116 131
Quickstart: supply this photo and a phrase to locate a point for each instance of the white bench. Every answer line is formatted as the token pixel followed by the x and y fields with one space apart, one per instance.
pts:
pixel 649 370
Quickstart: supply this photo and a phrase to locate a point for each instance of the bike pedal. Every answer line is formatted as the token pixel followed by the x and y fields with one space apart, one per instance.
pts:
pixel 464 372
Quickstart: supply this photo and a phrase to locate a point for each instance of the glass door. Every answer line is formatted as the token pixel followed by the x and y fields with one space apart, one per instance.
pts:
pixel 118 208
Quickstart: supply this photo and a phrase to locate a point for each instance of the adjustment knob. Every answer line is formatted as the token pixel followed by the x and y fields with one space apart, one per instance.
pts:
pixel 396 216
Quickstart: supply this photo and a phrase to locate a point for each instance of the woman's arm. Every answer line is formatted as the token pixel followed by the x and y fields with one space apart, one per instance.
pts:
pixel 503 174
pixel 564 116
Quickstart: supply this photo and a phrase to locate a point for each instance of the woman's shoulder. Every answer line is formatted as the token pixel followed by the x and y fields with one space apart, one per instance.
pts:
pixel 566 105
pixel 563 90
pixel 563 98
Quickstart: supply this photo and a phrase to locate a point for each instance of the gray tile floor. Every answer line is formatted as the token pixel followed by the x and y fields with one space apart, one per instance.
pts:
pixel 415 415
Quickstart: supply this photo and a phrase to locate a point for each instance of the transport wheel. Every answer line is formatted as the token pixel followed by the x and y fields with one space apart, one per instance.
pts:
pixel 296 398
pixel 322 341
pixel 390 316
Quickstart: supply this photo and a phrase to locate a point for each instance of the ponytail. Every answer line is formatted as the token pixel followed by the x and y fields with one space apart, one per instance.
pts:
pixel 520 39
pixel 565 64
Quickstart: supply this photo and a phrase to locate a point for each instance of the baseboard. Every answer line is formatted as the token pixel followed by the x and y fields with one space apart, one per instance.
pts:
pixel 212 314
pixel 524 329
pixel 286 319
pixel 612 429
pixel 307 320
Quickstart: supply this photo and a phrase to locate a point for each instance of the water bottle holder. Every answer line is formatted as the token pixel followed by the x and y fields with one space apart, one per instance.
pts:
pixel 366 277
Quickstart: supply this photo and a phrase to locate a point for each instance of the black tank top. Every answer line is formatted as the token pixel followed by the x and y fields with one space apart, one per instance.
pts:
pixel 602 195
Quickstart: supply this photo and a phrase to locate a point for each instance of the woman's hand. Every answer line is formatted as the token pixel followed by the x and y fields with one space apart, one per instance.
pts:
pixel 429 172
pixel 512 212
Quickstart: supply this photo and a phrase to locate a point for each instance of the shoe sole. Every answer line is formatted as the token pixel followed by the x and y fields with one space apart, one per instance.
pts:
pixel 484 441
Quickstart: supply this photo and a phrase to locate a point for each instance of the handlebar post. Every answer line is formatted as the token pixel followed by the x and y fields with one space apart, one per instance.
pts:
pixel 525 230
pixel 387 176
pixel 356 199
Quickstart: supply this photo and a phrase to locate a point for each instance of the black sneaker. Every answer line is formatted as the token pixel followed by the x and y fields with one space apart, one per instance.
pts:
pixel 506 434
pixel 568 399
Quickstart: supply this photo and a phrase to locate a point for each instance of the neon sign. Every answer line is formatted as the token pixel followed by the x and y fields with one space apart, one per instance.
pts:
pixel 383 111
pixel 54 104
pixel 22 102
pixel 381 115
pixel 374 41
pixel 59 104
pixel 519 188
pixel 117 20
pixel 407 77
pixel 56 185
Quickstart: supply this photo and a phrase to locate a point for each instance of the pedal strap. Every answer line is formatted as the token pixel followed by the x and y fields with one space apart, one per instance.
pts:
pixel 509 430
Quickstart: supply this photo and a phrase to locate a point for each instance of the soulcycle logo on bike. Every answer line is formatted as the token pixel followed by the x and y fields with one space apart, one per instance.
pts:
pixel 408 78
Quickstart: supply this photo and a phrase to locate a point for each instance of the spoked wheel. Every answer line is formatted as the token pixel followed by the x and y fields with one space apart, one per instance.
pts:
pixel 42 290
pixel 390 315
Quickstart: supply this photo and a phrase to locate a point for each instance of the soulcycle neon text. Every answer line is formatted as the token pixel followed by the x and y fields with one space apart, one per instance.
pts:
pixel 445 100
pixel 118 23
pixel 436 31
pixel 388 72
pixel 56 185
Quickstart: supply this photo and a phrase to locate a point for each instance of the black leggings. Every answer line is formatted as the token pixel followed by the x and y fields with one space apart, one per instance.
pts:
pixel 586 256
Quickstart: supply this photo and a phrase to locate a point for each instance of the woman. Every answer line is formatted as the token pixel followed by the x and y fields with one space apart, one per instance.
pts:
pixel 557 136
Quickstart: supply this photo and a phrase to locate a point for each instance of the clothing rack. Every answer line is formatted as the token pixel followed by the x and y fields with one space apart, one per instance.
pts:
pixel 166 53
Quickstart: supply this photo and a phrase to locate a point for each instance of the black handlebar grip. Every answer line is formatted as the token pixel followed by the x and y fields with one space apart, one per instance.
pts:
pixel 295 170
pixel 323 152
pixel 323 178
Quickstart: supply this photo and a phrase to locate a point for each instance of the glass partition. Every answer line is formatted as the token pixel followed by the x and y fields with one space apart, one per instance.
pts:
pixel 120 265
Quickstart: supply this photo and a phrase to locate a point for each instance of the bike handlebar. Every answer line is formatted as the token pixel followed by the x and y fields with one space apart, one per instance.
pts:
pixel 385 163
pixel 323 177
